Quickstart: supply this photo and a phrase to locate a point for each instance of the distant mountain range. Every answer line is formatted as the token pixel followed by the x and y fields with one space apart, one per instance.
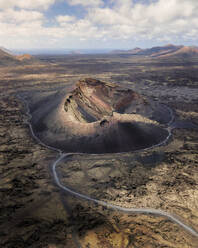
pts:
pixel 9 58
pixel 162 51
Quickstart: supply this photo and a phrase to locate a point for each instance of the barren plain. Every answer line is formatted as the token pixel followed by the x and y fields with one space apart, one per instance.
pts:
pixel 35 212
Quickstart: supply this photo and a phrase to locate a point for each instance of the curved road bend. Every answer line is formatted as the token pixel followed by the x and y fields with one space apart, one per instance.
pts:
pixel 103 203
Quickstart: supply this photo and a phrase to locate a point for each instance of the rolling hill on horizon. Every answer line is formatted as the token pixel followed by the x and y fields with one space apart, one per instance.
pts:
pixel 8 58
pixel 162 51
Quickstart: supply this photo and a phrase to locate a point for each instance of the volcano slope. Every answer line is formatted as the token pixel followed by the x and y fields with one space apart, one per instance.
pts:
pixel 99 117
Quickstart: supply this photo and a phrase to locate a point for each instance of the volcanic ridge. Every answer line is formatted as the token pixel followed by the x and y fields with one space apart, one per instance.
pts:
pixel 99 117
pixel 166 51
pixel 8 58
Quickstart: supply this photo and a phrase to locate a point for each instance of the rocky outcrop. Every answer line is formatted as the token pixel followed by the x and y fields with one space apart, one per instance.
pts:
pixel 92 99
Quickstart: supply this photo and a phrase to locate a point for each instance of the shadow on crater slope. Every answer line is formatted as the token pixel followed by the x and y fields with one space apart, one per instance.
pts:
pixel 98 117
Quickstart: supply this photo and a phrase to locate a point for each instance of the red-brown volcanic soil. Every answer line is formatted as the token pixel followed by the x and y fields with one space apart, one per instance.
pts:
pixel 98 117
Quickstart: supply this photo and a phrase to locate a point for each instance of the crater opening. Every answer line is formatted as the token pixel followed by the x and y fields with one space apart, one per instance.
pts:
pixel 99 117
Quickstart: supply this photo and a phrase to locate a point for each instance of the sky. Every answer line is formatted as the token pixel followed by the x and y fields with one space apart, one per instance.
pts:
pixel 97 24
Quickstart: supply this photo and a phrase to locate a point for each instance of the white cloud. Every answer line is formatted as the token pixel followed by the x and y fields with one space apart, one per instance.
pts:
pixel 163 11
pixel 86 3
pixel 65 19
pixel 26 4
pixel 19 16
pixel 107 16
pixel 159 20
